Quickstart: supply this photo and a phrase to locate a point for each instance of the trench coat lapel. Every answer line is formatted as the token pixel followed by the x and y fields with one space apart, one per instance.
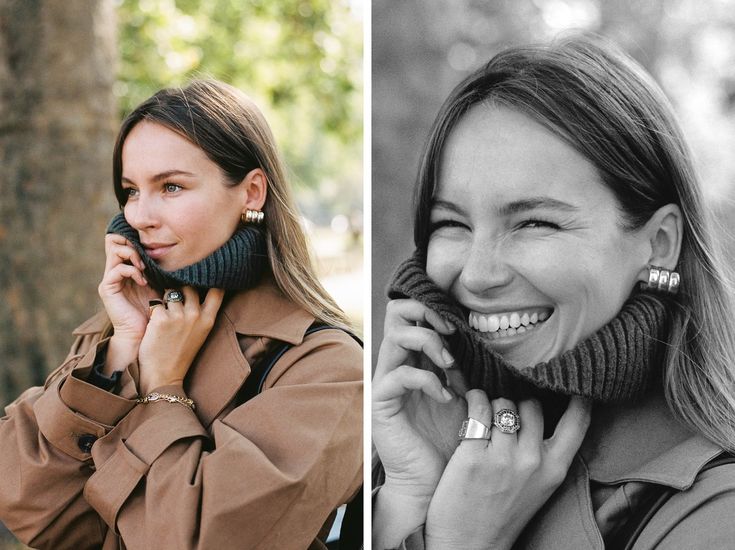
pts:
pixel 566 520
pixel 221 368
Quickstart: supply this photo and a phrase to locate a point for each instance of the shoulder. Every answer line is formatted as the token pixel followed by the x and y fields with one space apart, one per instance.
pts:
pixel 699 517
pixel 326 355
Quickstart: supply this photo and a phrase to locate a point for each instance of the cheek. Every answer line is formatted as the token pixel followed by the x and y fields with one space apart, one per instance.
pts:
pixel 443 262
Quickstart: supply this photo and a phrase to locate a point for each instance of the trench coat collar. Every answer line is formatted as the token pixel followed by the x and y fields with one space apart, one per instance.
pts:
pixel 221 368
pixel 265 311
pixel 630 442
pixel 644 442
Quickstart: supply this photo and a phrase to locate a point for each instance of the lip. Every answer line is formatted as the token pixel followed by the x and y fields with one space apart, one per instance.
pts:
pixel 157 250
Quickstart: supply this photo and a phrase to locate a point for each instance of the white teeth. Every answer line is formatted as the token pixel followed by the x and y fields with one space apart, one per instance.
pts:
pixel 499 326
pixel 493 323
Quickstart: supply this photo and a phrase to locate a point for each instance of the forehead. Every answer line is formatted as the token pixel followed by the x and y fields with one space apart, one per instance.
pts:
pixel 153 147
pixel 499 154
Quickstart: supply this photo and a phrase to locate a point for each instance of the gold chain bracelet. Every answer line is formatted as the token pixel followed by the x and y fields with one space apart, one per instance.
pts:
pixel 155 396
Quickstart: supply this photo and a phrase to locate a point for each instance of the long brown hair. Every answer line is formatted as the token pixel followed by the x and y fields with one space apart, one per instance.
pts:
pixel 233 133
pixel 609 109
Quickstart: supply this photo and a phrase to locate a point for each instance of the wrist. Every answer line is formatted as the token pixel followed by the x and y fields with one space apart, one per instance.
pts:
pixel 121 352
pixel 396 515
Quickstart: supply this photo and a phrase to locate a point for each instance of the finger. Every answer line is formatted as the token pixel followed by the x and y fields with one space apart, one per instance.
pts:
pixel 212 302
pixel 118 274
pixel 501 440
pixel 531 433
pixel 404 379
pixel 191 301
pixel 570 430
pixel 410 312
pixel 411 338
pixel 118 248
pixel 478 408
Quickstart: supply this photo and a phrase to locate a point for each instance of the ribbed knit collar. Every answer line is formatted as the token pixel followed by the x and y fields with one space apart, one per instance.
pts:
pixel 618 363
pixel 236 265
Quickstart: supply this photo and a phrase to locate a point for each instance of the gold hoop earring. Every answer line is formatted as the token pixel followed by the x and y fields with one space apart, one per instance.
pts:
pixel 662 280
pixel 252 216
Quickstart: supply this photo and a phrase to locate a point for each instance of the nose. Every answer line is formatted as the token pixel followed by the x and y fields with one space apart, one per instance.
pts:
pixel 486 267
pixel 143 212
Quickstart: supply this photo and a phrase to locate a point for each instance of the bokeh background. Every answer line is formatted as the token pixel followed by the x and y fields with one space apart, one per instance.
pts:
pixel 422 48
pixel 69 71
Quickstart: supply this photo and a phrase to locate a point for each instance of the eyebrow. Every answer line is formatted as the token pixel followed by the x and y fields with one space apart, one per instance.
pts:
pixel 515 207
pixel 162 176
pixel 535 203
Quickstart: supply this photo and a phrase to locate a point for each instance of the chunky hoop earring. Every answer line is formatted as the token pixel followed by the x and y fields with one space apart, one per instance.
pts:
pixel 662 280
pixel 252 216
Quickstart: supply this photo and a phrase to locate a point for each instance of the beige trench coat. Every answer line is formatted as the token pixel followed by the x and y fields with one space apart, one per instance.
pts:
pixel 85 468
pixel 627 448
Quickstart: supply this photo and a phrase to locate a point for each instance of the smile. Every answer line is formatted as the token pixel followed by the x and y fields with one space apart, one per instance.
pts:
pixel 501 325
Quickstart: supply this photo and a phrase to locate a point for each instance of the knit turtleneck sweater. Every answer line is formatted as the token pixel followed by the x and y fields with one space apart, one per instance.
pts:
pixel 619 362
pixel 236 265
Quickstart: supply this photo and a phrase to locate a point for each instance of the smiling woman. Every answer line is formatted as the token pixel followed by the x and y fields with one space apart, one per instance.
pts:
pixel 558 352
pixel 217 401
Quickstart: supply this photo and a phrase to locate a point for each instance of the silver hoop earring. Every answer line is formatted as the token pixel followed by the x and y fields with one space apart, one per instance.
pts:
pixel 252 216
pixel 662 280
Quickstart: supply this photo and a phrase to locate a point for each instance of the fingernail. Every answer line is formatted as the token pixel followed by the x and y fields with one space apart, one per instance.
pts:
pixel 450 326
pixel 448 359
pixel 447 395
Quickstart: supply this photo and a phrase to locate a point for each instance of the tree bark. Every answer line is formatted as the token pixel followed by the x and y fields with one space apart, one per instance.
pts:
pixel 57 126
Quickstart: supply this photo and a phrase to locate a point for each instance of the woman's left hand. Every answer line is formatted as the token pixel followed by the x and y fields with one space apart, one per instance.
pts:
pixel 491 489
pixel 173 337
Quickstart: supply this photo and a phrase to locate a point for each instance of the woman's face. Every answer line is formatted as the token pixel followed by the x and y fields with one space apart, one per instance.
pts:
pixel 526 237
pixel 177 197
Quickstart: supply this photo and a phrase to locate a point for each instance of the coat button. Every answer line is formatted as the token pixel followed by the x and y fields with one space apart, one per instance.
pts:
pixel 85 442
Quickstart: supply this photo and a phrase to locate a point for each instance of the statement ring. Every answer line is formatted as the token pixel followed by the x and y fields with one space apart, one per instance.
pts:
pixel 473 429
pixel 173 296
pixel 507 421
pixel 152 304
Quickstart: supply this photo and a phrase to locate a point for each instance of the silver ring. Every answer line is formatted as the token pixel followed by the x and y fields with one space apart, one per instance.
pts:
pixel 173 296
pixel 473 429
pixel 507 421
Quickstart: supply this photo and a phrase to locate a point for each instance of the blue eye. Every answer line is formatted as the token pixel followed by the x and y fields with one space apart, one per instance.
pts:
pixel 172 187
pixel 129 191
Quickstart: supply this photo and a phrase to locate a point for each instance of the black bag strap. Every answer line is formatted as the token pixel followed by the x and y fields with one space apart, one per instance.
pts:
pixel 351 532
pixel 628 534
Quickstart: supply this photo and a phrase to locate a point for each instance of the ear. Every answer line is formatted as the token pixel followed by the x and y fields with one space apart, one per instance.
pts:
pixel 255 190
pixel 664 232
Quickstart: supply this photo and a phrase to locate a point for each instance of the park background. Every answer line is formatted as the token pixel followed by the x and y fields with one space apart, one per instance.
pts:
pixel 422 48
pixel 70 70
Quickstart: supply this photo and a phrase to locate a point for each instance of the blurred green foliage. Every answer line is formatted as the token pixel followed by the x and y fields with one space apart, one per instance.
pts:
pixel 300 60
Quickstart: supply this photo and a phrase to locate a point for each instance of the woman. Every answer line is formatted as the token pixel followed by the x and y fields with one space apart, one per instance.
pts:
pixel 564 273
pixel 148 435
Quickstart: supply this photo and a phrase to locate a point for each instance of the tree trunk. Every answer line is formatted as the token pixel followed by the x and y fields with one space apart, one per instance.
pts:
pixel 57 125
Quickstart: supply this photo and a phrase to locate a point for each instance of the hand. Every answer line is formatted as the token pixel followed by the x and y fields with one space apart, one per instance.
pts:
pixel 124 290
pixel 173 337
pixel 125 294
pixel 491 489
pixel 409 451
